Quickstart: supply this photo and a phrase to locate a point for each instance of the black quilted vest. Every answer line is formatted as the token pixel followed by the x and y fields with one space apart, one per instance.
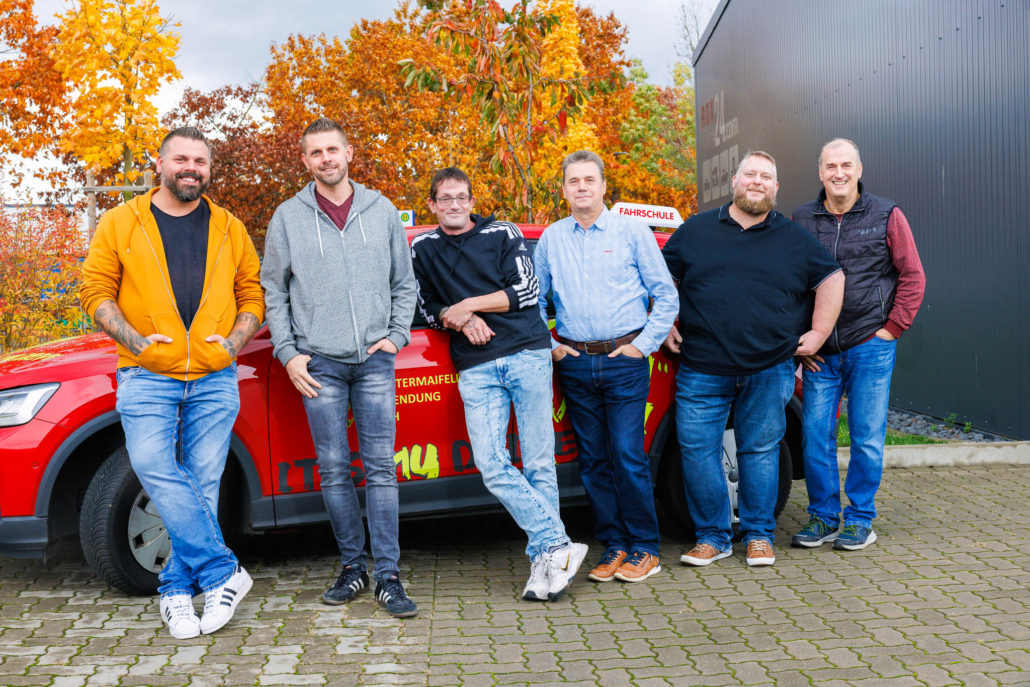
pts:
pixel 859 243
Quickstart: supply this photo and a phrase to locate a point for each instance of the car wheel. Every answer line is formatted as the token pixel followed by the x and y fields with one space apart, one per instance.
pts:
pixel 123 538
pixel 673 495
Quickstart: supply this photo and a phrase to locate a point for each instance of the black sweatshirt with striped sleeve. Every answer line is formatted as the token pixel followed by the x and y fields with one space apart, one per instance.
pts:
pixel 492 256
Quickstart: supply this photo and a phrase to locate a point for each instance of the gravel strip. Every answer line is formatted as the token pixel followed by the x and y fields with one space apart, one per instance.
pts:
pixel 922 425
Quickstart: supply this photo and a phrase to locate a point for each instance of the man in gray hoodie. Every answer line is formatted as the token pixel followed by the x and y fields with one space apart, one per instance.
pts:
pixel 340 297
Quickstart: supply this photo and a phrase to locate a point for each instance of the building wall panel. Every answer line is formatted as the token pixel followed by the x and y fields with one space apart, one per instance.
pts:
pixel 936 94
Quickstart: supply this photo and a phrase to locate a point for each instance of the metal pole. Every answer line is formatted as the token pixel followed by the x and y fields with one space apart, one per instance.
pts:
pixel 91 207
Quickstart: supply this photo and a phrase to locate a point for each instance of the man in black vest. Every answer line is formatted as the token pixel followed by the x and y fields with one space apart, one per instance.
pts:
pixel 871 239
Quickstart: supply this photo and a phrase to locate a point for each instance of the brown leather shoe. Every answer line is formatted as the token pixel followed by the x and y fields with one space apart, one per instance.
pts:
pixel 704 554
pixel 760 552
pixel 605 570
pixel 638 567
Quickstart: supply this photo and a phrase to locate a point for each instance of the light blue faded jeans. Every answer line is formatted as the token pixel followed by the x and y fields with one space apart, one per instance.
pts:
pixel 177 434
pixel 865 373
pixel 369 388
pixel 488 391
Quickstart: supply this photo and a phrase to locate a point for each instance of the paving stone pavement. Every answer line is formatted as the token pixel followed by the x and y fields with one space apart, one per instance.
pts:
pixel 941 599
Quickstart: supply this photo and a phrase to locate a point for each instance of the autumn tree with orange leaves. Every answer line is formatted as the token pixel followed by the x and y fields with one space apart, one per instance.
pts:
pixel 40 254
pixel 523 100
pixel 32 91
pixel 400 136
pixel 254 166
pixel 538 80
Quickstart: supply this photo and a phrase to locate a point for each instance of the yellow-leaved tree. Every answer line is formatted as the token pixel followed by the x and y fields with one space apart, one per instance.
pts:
pixel 560 60
pixel 114 55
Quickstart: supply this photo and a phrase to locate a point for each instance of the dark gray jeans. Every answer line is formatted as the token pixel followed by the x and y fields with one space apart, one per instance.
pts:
pixel 369 389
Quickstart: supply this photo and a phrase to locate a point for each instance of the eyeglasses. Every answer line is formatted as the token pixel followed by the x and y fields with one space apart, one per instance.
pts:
pixel 447 200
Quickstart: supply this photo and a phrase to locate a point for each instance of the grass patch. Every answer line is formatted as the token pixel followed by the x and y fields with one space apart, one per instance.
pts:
pixel 894 437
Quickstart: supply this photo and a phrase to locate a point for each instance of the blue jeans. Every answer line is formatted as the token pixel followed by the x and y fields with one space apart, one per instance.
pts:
pixel 865 373
pixel 369 389
pixel 177 435
pixel 759 403
pixel 488 391
pixel 606 399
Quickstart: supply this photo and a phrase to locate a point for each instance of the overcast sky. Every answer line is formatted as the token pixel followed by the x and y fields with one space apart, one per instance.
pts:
pixel 227 41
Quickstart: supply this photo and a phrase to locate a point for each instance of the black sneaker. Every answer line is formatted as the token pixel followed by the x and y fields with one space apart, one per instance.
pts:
pixel 352 581
pixel 390 595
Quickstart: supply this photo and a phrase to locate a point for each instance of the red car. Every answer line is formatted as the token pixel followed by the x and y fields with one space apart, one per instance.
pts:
pixel 65 477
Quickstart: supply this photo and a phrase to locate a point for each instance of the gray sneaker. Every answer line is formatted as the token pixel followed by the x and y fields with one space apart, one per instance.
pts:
pixel 538 585
pixel 562 566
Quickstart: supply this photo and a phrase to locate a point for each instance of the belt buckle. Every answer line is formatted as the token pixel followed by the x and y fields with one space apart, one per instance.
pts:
pixel 597 347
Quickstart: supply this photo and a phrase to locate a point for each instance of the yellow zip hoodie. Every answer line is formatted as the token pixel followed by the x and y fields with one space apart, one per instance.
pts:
pixel 126 263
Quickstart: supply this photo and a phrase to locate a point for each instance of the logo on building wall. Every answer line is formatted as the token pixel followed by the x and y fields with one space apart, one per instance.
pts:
pixel 717 171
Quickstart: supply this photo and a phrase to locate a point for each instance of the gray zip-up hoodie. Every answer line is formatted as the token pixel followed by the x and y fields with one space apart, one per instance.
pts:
pixel 337 292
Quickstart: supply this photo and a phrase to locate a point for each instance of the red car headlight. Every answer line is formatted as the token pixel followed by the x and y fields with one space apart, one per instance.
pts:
pixel 19 405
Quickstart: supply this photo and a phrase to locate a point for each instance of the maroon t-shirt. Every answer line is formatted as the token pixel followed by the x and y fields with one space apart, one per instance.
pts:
pixel 337 213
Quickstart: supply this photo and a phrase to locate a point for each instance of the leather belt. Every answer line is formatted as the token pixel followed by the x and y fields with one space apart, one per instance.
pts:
pixel 599 347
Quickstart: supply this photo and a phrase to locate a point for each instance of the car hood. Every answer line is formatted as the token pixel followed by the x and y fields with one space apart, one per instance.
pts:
pixel 58 361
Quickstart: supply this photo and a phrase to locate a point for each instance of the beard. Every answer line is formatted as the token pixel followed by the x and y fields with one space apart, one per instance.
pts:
pixel 181 193
pixel 331 177
pixel 755 208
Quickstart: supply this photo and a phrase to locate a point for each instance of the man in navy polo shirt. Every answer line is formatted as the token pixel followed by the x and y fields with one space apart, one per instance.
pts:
pixel 746 277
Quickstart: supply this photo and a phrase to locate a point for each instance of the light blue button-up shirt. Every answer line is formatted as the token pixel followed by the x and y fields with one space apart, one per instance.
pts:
pixel 601 278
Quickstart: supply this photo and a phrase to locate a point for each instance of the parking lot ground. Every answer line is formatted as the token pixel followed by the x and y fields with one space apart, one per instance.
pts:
pixel 943 598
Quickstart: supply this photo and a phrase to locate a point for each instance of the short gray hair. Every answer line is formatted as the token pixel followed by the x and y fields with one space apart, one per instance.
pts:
pixel 189 132
pixel 858 156
pixel 582 156
pixel 756 153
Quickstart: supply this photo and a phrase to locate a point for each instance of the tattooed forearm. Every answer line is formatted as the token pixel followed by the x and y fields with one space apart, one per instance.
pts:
pixel 109 318
pixel 246 326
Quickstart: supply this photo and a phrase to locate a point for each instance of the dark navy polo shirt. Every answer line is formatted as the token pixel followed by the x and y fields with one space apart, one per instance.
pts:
pixel 746 296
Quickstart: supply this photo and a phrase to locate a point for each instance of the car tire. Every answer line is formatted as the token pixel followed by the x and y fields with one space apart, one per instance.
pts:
pixel 114 519
pixel 673 497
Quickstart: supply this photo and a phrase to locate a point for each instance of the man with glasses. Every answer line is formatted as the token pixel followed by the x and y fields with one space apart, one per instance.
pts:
pixel 475 277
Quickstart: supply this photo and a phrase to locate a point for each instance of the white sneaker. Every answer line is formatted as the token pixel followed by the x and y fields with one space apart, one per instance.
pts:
pixel 538 585
pixel 220 602
pixel 178 614
pixel 562 566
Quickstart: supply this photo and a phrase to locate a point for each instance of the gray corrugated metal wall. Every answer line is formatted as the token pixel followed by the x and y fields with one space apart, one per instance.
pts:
pixel 937 96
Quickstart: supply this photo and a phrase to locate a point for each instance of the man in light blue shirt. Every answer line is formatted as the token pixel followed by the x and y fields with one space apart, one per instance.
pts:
pixel 603 270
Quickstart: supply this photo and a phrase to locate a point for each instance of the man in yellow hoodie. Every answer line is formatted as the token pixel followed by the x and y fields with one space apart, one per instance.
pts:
pixel 175 281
